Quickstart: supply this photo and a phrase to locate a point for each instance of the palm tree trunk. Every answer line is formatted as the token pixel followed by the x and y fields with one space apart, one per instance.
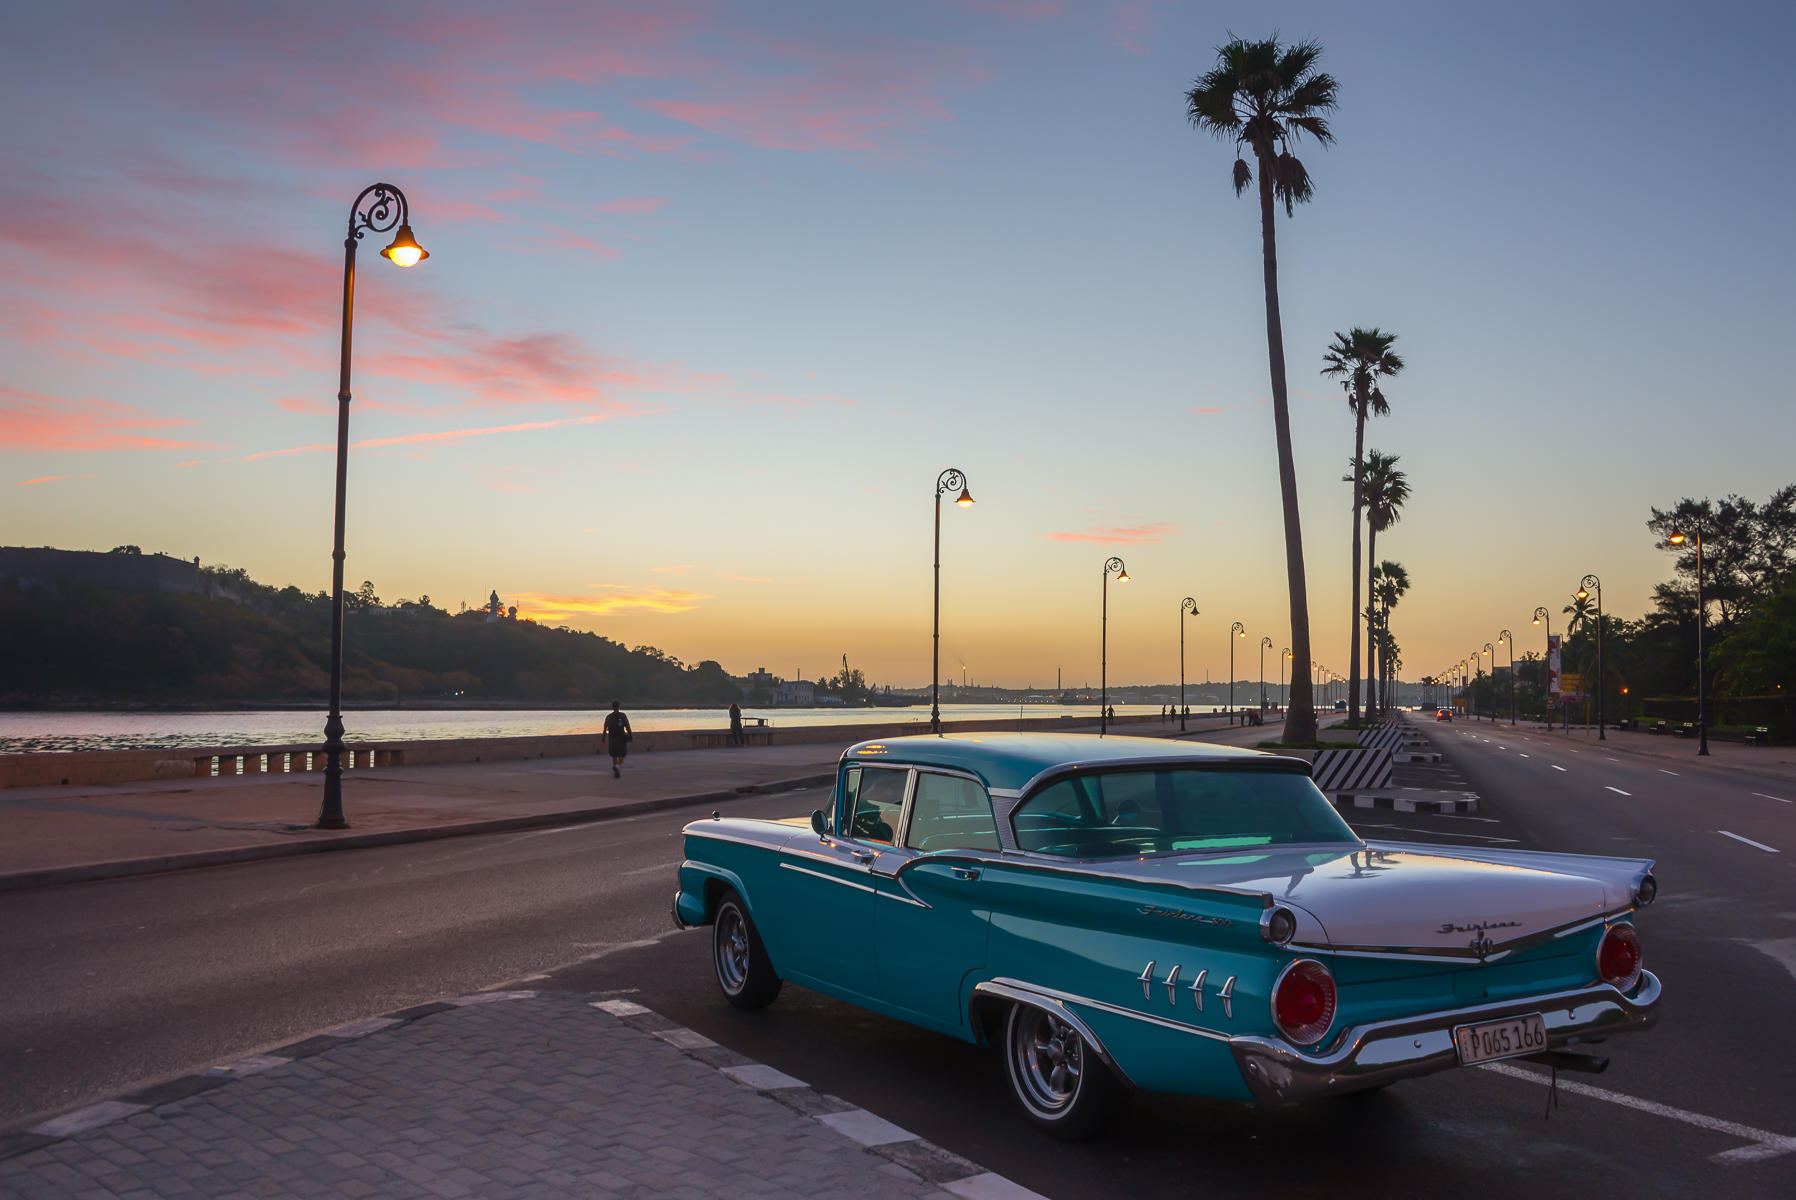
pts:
pixel 1371 605
pixel 1359 499
pixel 1300 718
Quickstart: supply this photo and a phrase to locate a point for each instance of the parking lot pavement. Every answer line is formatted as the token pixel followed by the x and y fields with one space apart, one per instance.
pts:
pixel 494 1095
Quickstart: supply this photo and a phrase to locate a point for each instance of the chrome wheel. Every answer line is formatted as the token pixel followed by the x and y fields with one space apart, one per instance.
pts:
pixel 1048 1060
pixel 733 954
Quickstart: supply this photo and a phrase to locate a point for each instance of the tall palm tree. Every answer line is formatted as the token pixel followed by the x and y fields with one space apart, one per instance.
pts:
pixel 1582 611
pixel 1386 491
pixel 1264 97
pixel 1388 584
pixel 1359 360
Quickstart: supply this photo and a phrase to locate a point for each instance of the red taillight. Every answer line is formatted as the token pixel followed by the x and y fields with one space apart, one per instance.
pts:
pixel 1303 1001
pixel 1618 958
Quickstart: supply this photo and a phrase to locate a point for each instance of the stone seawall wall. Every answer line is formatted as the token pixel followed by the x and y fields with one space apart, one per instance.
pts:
pixel 88 768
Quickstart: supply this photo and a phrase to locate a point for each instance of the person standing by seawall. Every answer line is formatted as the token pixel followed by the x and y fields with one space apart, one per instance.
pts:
pixel 735 724
pixel 617 737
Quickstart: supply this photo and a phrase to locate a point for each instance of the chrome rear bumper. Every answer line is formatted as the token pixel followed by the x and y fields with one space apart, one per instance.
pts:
pixel 1370 1055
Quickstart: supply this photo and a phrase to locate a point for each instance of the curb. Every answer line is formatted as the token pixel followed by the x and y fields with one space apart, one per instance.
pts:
pixel 87 872
pixel 873 1133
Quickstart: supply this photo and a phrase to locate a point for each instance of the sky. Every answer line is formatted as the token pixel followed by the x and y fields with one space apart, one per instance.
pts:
pixel 716 290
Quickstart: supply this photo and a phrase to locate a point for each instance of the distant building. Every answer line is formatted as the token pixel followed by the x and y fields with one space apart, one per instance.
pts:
pixel 496 610
pixel 796 693
pixel 762 677
pixel 40 566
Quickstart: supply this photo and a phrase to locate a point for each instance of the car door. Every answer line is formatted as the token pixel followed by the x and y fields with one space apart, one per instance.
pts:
pixel 827 901
pixel 930 922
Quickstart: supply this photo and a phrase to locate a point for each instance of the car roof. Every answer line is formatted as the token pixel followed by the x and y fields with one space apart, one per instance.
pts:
pixel 1011 760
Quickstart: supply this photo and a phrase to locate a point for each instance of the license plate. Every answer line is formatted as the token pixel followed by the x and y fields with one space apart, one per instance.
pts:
pixel 1526 1034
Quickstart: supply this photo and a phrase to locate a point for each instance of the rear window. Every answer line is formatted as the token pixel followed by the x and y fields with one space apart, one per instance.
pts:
pixel 1113 814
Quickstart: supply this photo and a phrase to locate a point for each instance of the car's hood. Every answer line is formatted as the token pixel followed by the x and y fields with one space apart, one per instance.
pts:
pixel 1388 895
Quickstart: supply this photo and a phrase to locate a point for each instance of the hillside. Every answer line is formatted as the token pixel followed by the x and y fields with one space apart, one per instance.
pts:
pixel 66 642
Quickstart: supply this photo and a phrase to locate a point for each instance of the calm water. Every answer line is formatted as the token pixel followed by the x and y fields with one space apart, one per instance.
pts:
pixel 22 733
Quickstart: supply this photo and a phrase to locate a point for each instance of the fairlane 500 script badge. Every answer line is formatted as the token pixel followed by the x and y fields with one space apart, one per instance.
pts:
pixel 1450 927
pixel 1150 910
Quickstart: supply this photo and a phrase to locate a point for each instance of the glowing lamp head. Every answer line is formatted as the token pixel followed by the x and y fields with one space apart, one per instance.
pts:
pixel 1123 578
pixel 1583 595
pixel 405 250
pixel 1537 620
pixel 1676 538
pixel 966 498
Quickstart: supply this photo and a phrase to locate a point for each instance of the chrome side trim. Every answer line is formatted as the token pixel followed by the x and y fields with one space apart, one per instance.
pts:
pixel 1052 865
pixel 833 879
pixel 1370 1055
pixel 1227 996
pixel 1197 988
pixel 1146 980
pixel 1022 993
pixel 902 899
pixel 1172 985
pixel 1039 992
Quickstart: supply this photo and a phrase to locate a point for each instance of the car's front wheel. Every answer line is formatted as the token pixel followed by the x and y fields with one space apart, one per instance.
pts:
pixel 1058 1079
pixel 744 973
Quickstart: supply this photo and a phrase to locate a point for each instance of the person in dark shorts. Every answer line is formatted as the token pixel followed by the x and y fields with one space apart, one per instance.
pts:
pixel 617 737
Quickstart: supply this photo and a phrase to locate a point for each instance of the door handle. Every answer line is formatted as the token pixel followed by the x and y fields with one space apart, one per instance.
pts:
pixel 865 856
pixel 966 872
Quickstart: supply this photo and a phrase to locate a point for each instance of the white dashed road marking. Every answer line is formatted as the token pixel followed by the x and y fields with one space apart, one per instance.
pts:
pixel 1557 767
pixel 1764 1143
pixel 1618 791
pixel 1760 845
pixel 1763 796
pixel 1663 771
pixel 1526 755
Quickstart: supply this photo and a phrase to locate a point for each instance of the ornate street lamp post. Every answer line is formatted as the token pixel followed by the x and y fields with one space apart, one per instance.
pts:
pixel 1265 645
pixel 1544 619
pixel 1187 607
pixel 1678 538
pixel 1491 650
pixel 1237 630
pixel 1502 637
pixel 945 482
pixel 378 209
pixel 1284 701
pixel 1584 587
pixel 1112 566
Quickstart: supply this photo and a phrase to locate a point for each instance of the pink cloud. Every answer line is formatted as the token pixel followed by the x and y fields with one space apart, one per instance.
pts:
pixel 634 206
pixel 1147 533
pixel 432 437
pixel 1205 411
pixel 52 479
pixel 1013 10
pixel 1131 23
pixel 30 421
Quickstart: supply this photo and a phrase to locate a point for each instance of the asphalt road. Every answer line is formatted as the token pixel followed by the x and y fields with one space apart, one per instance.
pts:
pixel 115 984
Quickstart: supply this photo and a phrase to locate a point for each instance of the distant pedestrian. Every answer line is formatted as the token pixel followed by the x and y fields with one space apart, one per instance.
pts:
pixel 735 724
pixel 617 737
pixel 1110 713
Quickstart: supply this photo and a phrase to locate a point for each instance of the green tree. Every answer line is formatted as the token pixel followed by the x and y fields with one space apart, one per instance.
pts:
pixel 1389 583
pixel 1359 359
pixel 1386 492
pixel 1264 97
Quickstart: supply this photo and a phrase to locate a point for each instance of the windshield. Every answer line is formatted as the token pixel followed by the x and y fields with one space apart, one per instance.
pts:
pixel 1157 811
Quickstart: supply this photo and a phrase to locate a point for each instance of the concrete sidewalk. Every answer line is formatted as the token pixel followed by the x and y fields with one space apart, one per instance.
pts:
pixel 72 834
pixel 498 1095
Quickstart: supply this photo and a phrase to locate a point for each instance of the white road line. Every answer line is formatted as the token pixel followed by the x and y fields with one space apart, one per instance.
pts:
pixel 1663 771
pixel 1612 759
pixel 1557 767
pixel 666 867
pixel 1762 846
pixel 1574 751
pixel 1763 796
pixel 1525 755
pixel 1618 791
pixel 1765 1144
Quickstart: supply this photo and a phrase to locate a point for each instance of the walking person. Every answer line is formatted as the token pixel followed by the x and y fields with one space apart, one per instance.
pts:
pixel 735 724
pixel 617 737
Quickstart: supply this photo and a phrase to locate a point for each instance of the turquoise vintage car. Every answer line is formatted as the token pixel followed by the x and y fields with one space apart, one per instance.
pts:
pixel 1132 913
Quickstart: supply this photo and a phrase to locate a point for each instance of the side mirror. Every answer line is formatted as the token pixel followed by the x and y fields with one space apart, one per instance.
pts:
pixel 819 823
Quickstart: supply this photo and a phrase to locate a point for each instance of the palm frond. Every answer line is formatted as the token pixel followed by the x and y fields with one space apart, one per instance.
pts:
pixel 1243 176
pixel 1292 182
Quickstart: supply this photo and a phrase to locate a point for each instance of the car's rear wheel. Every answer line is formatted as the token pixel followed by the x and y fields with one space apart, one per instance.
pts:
pixel 744 973
pixel 1056 1076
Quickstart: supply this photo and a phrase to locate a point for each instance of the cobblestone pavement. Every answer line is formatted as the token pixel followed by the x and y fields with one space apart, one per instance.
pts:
pixel 498 1095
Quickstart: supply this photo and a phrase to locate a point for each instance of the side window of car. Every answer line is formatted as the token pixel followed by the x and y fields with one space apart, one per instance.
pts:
pixel 851 786
pixel 950 813
pixel 877 804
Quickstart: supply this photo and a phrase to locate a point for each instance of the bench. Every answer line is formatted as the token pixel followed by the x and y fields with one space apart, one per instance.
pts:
pixel 1758 737
pixel 1627 723
pixel 1658 727
pixel 1686 729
